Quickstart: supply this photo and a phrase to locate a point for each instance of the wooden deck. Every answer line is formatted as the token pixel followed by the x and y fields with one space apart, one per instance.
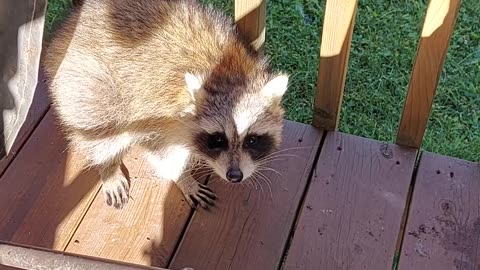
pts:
pixel 337 202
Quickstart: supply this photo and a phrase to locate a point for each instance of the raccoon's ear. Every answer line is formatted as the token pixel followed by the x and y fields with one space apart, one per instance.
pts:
pixel 276 87
pixel 194 84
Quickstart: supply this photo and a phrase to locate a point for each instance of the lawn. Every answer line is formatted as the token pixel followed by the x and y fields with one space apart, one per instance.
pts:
pixel 384 43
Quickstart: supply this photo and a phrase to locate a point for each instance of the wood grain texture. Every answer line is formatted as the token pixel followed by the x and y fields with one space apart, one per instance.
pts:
pixel 249 227
pixel 354 206
pixel 146 231
pixel 28 257
pixel 337 33
pixel 443 227
pixel 437 30
pixel 44 193
pixel 36 112
pixel 250 19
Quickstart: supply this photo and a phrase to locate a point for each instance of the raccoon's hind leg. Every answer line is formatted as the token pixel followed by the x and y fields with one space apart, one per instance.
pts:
pixel 174 163
pixel 105 154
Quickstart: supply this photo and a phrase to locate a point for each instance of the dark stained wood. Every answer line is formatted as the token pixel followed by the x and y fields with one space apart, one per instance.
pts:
pixel 354 206
pixel 38 108
pixel 248 227
pixel 443 227
pixel 432 49
pixel 146 231
pixel 44 193
pixel 6 267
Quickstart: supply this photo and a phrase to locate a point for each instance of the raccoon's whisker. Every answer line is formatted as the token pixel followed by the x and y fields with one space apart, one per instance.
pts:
pixel 267 181
pixel 290 149
pixel 213 179
pixel 198 170
pixel 242 184
pixel 252 183
pixel 293 148
pixel 284 157
pixel 200 176
pixel 269 185
pixel 262 168
pixel 265 178
pixel 256 183
pixel 199 164
pixel 273 158
pixel 249 183
pixel 281 155
pixel 269 162
pixel 278 155
pixel 255 180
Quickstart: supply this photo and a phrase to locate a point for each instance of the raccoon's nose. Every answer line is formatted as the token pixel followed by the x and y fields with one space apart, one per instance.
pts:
pixel 234 175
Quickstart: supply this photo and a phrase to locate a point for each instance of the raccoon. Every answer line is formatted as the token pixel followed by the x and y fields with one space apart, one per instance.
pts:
pixel 173 77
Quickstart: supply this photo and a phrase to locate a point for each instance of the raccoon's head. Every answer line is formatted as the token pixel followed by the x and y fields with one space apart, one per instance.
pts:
pixel 240 121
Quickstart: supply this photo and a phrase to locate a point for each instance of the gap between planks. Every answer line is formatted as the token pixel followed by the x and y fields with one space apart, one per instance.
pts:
pixel 302 203
pixel 406 211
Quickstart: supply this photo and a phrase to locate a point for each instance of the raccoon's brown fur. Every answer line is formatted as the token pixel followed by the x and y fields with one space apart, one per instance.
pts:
pixel 171 76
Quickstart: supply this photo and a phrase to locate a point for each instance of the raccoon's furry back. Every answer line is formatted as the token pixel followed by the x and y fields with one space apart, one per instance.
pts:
pixel 114 62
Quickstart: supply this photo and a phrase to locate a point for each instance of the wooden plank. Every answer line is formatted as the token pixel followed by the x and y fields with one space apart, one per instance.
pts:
pixel 250 20
pixel 6 267
pixel 338 24
pixel 354 206
pixel 443 227
pixel 37 110
pixel 437 29
pixel 44 193
pixel 249 227
pixel 146 231
pixel 13 256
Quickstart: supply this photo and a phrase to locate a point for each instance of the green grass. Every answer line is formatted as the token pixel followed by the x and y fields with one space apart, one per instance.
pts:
pixel 384 44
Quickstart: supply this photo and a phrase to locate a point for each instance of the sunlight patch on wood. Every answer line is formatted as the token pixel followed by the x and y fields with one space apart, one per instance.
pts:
pixel 436 12
pixel 339 18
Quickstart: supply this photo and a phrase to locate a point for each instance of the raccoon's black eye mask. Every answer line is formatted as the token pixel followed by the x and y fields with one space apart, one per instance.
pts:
pixel 258 146
pixel 217 141
pixel 211 145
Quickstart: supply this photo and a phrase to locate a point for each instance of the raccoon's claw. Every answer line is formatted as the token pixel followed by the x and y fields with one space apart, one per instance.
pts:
pixel 196 193
pixel 204 196
pixel 115 191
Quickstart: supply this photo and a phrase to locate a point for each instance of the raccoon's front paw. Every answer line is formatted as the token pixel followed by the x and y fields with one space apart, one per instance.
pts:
pixel 115 191
pixel 196 193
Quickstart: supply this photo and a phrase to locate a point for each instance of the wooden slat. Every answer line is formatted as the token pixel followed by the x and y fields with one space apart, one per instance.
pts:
pixel 337 33
pixel 146 231
pixel 354 206
pixel 248 228
pixel 437 29
pixel 38 108
pixel 44 192
pixel 443 227
pixel 27 257
pixel 250 19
